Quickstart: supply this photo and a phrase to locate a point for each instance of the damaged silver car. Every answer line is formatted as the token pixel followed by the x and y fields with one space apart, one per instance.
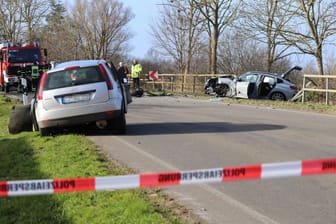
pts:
pixel 254 85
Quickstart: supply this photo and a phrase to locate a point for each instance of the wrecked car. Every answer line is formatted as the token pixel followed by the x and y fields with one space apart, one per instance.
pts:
pixel 254 85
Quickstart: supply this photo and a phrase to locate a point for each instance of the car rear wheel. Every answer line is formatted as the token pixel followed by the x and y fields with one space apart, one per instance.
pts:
pixel 33 118
pixel 121 125
pixel 278 96
pixel 118 125
pixel 34 125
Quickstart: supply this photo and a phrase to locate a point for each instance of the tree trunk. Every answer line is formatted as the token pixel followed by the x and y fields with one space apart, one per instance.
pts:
pixel 209 54
pixel 214 46
pixel 319 60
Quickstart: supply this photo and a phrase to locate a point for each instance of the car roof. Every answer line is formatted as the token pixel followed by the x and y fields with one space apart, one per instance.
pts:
pixel 261 73
pixel 275 75
pixel 81 63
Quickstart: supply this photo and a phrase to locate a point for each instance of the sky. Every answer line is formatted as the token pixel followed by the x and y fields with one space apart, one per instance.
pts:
pixel 145 13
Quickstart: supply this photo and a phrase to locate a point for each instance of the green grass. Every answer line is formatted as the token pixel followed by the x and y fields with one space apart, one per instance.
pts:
pixel 27 156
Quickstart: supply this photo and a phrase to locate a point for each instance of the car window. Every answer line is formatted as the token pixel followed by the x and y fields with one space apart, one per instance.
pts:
pixel 76 76
pixel 249 78
pixel 269 79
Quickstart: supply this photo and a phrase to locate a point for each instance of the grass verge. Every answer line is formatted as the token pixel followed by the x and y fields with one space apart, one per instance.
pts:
pixel 27 156
pixel 306 106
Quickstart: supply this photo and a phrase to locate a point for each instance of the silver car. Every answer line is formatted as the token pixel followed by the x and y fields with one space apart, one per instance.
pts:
pixel 80 92
pixel 254 85
pixel 262 85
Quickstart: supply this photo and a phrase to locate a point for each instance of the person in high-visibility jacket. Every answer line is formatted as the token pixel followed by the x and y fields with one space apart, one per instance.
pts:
pixel 35 76
pixel 135 74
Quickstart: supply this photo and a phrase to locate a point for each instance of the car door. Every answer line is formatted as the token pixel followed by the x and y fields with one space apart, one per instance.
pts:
pixel 242 89
pixel 265 85
pixel 245 85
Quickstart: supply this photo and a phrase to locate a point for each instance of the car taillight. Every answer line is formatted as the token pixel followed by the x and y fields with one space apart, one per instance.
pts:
pixel 108 81
pixel 293 87
pixel 40 89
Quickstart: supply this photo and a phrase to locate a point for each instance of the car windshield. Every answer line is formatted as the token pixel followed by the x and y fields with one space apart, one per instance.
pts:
pixel 76 76
pixel 23 55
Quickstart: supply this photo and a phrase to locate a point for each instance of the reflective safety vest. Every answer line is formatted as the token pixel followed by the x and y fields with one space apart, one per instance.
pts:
pixel 136 70
pixel 35 71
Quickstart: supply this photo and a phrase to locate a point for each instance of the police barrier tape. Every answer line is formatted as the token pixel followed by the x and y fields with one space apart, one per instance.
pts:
pixel 249 172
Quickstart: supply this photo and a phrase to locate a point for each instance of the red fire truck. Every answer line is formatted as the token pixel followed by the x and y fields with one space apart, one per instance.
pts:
pixel 15 57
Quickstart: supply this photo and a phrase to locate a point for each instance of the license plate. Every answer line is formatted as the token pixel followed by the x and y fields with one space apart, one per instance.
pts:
pixel 76 98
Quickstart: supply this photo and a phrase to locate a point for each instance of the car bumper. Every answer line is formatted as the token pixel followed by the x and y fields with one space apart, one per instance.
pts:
pixel 81 114
pixel 78 120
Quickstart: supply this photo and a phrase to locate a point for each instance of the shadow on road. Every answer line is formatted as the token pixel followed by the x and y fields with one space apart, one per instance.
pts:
pixel 193 128
pixel 190 128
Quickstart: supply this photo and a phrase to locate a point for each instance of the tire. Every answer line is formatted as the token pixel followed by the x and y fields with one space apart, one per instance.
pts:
pixel 34 122
pixel 222 90
pixel 6 87
pixel 138 92
pixel 34 125
pixel 277 96
pixel 44 132
pixel 19 119
pixel 118 125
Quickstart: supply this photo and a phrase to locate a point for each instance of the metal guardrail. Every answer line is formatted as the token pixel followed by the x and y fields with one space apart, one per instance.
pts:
pixel 194 84
pixel 180 83
pixel 326 90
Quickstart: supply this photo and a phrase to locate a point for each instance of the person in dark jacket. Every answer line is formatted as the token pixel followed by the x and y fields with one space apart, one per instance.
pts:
pixel 122 70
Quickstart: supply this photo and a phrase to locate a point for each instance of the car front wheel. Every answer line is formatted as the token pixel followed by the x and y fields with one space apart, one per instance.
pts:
pixel 222 90
pixel 19 119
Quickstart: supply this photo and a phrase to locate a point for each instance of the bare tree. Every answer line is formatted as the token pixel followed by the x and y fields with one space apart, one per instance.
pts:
pixel 313 28
pixel 218 15
pixel 101 27
pixel 194 28
pixel 10 21
pixel 178 32
pixel 33 12
pixel 56 34
pixel 263 21
pixel 238 54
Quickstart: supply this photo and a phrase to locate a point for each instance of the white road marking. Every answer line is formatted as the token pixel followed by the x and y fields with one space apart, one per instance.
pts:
pixel 233 202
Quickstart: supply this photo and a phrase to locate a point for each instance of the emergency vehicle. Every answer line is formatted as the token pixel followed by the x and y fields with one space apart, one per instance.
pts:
pixel 14 58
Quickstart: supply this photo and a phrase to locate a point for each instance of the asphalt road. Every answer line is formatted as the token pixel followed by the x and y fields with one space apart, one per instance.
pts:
pixel 170 134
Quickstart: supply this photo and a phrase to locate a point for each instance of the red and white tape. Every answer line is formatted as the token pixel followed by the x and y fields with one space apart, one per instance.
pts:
pixel 259 171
